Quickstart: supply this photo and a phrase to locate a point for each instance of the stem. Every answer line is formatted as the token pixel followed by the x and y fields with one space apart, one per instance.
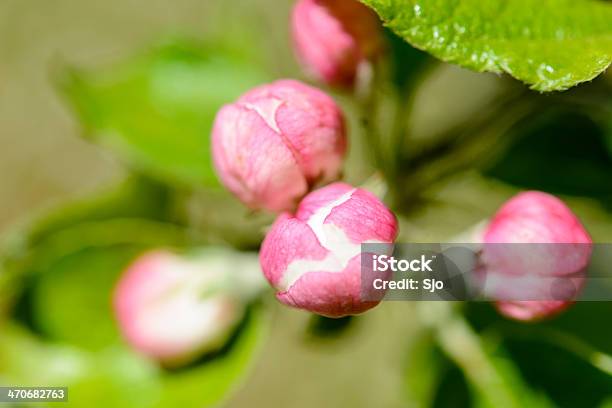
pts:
pixel 369 104
pixel 506 105
pixel 399 129
pixel 405 99
pixel 376 185
pixel 477 142
pixel 464 347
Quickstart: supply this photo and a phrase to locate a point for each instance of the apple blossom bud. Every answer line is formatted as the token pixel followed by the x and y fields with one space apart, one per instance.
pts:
pixel 174 308
pixel 313 259
pixel 558 254
pixel 334 37
pixel 276 142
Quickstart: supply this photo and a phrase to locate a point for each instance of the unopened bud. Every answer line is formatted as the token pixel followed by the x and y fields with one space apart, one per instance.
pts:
pixel 559 247
pixel 333 37
pixel 175 308
pixel 276 142
pixel 313 259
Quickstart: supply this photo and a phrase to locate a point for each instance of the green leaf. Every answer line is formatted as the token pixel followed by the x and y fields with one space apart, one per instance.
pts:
pixel 492 379
pixel 452 389
pixel 78 289
pixel 68 278
pixel 560 357
pixel 136 197
pixel 547 367
pixel 511 375
pixel 113 232
pixel 551 45
pixel 212 381
pixel 117 377
pixel 157 109
pixel 62 330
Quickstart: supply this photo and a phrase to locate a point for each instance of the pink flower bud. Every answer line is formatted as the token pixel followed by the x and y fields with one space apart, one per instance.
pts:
pixel 173 309
pixel 313 258
pixel 276 142
pixel 561 249
pixel 333 37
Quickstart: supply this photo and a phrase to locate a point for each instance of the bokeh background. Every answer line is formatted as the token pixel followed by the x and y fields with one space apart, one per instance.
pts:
pixel 41 147
pixel 43 162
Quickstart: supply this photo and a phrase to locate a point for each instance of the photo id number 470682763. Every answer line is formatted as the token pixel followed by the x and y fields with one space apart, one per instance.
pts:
pixel 33 394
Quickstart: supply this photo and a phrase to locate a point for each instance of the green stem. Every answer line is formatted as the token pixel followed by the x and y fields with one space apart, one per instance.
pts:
pixel 405 100
pixel 369 105
pixel 478 142
pixel 462 345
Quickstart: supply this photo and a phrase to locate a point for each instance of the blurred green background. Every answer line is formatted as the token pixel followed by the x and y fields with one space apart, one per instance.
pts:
pixel 41 147
pixel 43 161
pixel 376 359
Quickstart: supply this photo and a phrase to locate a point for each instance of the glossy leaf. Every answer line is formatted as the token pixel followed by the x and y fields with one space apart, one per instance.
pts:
pixel 551 45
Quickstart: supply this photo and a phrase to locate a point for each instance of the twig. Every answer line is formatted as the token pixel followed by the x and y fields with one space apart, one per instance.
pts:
pixel 464 347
